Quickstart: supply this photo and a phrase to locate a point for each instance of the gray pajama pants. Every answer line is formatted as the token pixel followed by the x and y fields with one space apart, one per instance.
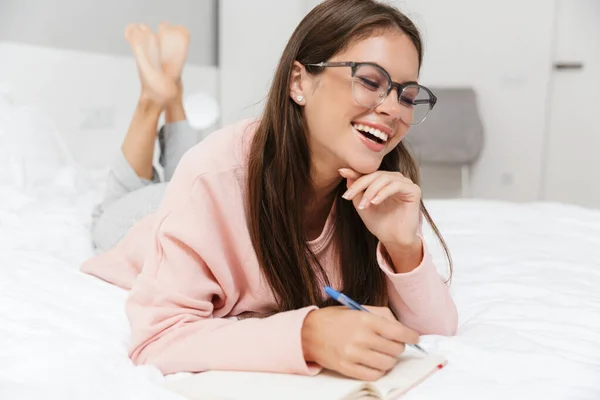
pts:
pixel 128 197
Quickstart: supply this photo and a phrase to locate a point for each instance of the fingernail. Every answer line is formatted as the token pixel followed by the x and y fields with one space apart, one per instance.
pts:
pixel 375 200
pixel 348 194
pixel 362 204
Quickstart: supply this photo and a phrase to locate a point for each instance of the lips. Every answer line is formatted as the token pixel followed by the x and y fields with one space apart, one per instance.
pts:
pixel 372 142
pixel 371 133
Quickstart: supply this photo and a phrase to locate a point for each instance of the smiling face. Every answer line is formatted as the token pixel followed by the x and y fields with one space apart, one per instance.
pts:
pixel 343 132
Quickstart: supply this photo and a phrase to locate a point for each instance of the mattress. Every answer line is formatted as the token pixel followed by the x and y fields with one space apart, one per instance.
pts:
pixel 526 282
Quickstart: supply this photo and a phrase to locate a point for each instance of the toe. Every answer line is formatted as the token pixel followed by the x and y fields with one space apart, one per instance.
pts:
pixel 163 26
pixel 183 31
pixel 130 31
pixel 144 28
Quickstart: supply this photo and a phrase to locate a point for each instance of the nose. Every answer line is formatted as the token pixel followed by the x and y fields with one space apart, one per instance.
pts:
pixel 390 105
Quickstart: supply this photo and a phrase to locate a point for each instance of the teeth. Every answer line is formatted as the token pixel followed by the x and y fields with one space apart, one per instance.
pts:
pixel 372 131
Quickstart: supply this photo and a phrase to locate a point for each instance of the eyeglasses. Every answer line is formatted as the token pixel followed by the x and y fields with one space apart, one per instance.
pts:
pixel 371 84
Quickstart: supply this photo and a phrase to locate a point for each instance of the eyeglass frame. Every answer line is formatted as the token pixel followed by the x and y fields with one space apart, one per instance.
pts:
pixel 399 86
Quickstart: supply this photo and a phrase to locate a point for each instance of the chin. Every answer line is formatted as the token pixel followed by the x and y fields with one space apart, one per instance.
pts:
pixel 365 166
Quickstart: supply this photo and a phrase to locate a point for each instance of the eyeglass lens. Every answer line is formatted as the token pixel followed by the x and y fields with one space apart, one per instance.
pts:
pixel 370 85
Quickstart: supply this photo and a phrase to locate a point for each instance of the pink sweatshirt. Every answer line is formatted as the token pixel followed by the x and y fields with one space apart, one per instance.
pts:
pixel 192 270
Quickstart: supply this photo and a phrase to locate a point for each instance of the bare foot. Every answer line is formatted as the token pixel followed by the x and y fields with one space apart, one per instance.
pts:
pixel 156 85
pixel 173 42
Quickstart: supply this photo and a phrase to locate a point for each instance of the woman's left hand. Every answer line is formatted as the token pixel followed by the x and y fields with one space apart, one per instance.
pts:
pixel 388 203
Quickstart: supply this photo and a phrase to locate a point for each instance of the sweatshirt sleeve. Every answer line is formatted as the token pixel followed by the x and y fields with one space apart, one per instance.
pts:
pixel 420 298
pixel 179 306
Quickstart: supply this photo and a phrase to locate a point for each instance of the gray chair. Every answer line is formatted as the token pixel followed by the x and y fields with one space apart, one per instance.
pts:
pixel 452 135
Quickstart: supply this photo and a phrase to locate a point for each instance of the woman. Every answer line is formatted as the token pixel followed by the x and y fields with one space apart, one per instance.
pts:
pixel 229 272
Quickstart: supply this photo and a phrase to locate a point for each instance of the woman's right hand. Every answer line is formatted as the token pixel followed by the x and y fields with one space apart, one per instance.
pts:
pixel 357 344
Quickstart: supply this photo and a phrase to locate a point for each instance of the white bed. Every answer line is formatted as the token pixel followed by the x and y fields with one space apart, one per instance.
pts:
pixel 526 282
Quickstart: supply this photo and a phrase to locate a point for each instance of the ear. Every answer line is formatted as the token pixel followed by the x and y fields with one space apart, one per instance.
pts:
pixel 298 83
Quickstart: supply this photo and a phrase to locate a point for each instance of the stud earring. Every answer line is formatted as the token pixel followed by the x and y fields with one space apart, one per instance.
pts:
pixel 300 98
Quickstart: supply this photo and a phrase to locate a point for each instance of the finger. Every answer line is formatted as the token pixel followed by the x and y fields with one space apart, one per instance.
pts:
pixel 374 188
pixel 362 352
pixel 361 372
pixel 385 346
pixel 376 360
pixel 384 312
pixel 350 175
pixel 360 185
pixel 394 330
pixel 406 191
pixel 406 179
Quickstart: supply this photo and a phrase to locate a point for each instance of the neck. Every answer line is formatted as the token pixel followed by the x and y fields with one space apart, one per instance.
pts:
pixel 324 173
pixel 324 183
pixel 324 188
pixel 325 179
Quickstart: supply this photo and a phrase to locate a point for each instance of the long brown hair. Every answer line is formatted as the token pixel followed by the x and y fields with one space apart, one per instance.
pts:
pixel 279 181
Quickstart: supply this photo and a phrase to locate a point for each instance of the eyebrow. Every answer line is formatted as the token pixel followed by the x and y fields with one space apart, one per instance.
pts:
pixel 387 72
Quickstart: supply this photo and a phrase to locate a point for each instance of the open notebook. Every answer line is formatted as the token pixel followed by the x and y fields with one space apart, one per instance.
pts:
pixel 225 385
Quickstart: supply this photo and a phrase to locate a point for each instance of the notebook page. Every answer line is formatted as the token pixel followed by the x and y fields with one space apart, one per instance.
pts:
pixel 411 370
pixel 369 392
pixel 230 385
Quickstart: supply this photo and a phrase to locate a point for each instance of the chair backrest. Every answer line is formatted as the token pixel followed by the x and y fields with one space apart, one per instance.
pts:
pixel 453 132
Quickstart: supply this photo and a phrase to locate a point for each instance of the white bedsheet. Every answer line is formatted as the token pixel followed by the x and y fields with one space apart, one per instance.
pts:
pixel 526 281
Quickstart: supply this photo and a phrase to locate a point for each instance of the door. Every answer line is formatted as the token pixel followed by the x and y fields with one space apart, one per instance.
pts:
pixel 572 153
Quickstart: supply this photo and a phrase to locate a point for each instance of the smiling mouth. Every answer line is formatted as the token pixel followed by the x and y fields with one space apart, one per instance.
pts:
pixel 372 134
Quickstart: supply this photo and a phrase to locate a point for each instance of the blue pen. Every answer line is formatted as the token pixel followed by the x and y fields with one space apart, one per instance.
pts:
pixel 348 302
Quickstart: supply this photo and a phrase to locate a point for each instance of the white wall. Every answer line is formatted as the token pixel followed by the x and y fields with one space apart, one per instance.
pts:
pixel 69 59
pixel 97 25
pixel 89 96
pixel 252 36
pixel 503 49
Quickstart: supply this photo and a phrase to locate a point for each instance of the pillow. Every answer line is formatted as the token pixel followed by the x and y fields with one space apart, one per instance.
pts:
pixel 31 151
pixel 202 110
